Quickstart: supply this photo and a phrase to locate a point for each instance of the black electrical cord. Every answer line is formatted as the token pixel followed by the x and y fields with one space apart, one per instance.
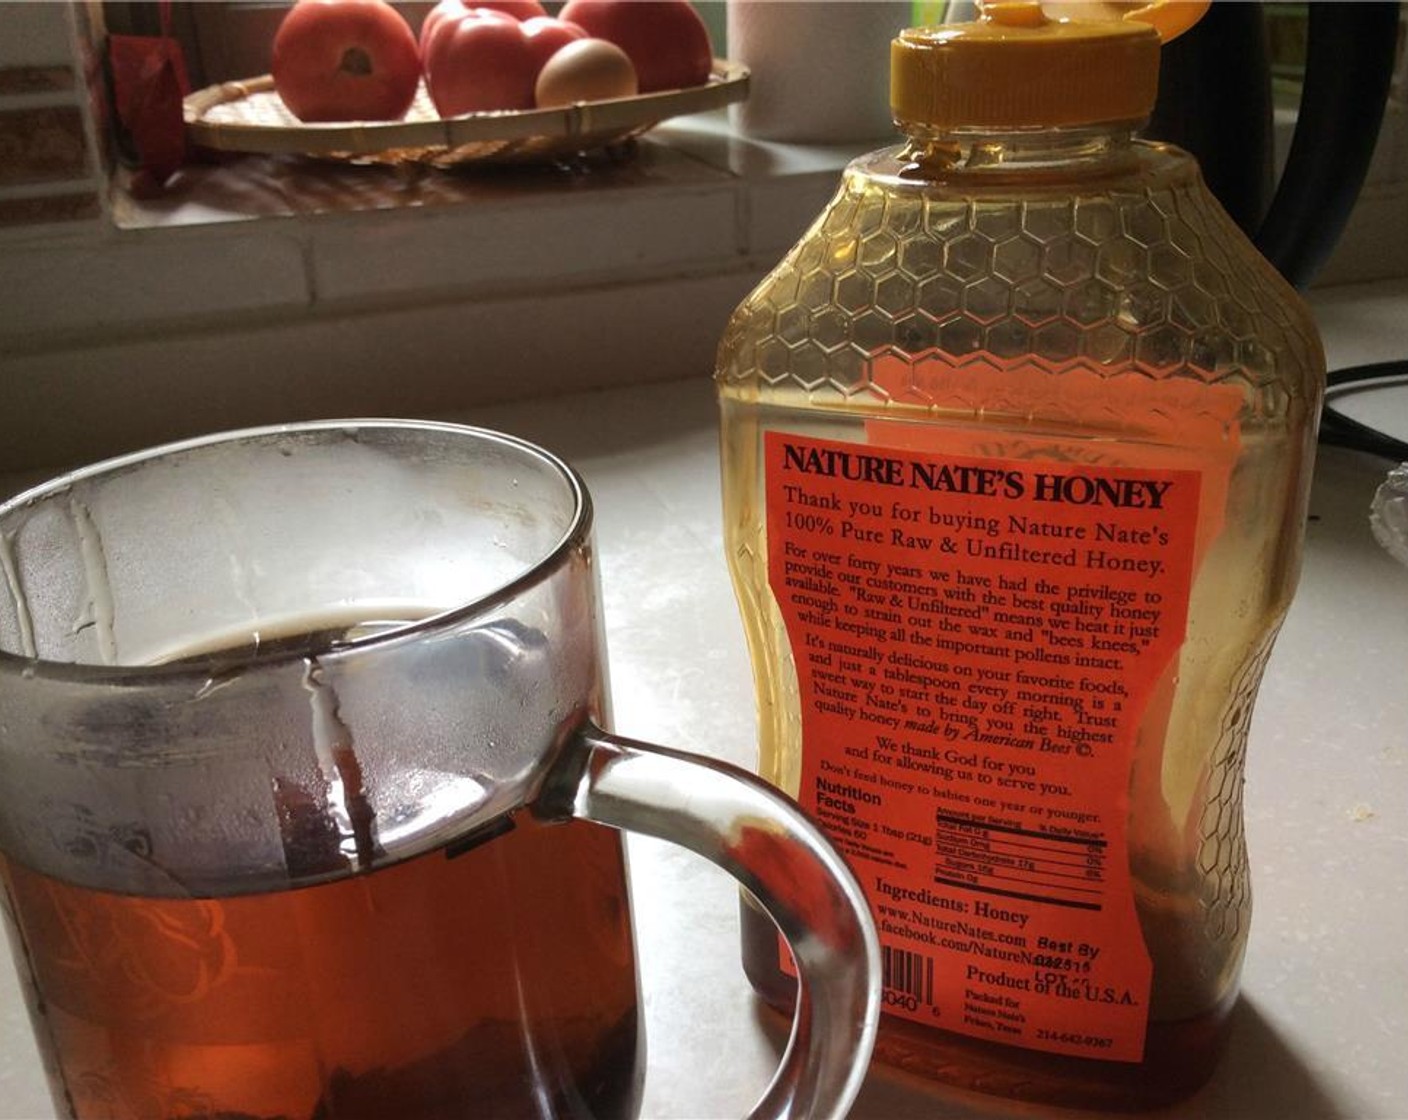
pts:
pixel 1339 430
pixel 1348 68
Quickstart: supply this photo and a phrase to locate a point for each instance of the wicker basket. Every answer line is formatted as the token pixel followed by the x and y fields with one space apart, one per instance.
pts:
pixel 248 116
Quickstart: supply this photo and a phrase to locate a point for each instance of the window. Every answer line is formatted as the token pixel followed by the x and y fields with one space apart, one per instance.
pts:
pixel 223 41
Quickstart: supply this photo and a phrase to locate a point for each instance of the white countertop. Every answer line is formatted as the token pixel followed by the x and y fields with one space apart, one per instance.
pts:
pixel 1319 1032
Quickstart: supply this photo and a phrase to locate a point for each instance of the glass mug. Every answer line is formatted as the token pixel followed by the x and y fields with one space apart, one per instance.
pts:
pixel 300 755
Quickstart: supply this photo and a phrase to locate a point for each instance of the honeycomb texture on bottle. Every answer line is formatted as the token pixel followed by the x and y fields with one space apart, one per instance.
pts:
pixel 1222 853
pixel 1119 283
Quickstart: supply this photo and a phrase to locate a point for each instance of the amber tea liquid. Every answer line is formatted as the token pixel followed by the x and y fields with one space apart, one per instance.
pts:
pixel 492 976
pixel 497 981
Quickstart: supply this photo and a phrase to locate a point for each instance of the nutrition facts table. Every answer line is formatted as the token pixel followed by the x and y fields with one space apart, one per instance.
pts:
pixel 1019 862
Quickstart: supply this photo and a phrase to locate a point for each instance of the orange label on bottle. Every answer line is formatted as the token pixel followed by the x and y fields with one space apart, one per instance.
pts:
pixel 978 641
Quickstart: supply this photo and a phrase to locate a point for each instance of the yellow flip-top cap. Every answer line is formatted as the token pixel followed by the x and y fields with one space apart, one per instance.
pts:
pixel 1016 67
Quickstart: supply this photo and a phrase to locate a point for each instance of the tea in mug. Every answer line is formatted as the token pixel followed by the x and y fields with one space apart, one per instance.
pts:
pixel 494 976
pixel 498 981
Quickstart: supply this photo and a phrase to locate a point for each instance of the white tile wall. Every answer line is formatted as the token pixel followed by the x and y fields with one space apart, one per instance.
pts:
pixel 114 287
pixel 1374 246
pixel 511 244
pixel 780 210
pixel 35 33
pixel 69 405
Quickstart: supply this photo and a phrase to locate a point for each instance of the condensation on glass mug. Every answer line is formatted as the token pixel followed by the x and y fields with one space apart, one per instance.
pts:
pixel 300 756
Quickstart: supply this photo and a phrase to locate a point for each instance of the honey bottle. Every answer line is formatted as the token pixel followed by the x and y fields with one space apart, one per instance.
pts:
pixel 1016 449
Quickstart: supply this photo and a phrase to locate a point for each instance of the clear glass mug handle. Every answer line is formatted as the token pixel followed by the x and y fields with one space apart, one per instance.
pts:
pixel 740 823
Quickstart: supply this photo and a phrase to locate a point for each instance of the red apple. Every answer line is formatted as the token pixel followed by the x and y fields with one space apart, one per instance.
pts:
pixel 345 60
pixel 665 40
pixel 546 36
pixel 457 9
pixel 479 62
pixel 484 60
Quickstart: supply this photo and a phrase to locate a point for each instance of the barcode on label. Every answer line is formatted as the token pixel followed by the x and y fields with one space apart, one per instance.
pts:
pixel 911 973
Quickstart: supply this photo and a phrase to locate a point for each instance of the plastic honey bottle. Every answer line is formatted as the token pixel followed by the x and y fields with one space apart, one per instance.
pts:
pixel 1016 449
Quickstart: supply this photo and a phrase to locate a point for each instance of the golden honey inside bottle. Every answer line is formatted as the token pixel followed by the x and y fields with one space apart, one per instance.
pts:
pixel 1016 450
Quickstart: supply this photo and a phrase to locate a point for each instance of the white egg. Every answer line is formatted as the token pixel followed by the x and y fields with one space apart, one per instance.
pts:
pixel 585 70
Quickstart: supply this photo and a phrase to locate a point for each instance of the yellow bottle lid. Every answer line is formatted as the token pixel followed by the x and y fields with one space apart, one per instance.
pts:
pixel 1020 65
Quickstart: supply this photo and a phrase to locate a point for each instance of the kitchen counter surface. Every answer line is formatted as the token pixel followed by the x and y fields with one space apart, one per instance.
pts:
pixel 1320 1028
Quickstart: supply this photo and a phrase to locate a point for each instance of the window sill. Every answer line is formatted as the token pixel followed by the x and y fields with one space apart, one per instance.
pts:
pixel 264 233
pixel 265 290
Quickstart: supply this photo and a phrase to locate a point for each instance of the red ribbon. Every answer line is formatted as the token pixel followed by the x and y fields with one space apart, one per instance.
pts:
pixel 149 82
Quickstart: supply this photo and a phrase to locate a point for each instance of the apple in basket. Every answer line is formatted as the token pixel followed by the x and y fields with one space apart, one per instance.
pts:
pixel 665 40
pixel 481 59
pixel 345 60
